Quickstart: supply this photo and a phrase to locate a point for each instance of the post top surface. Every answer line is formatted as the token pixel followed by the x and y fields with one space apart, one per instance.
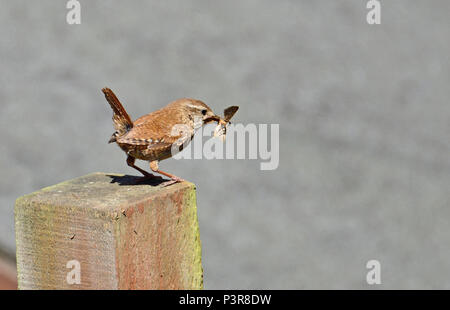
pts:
pixel 99 190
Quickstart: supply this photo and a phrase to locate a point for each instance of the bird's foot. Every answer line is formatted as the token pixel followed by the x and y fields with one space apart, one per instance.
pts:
pixel 173 180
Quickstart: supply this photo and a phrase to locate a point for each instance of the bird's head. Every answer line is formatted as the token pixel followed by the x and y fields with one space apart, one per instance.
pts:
pixel 199 111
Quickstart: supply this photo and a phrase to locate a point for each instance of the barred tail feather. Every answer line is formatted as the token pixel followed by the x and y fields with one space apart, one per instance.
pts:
pixel 121 119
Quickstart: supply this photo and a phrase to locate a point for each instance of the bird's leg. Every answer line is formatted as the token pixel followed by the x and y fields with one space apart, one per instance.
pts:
pixel 130 162
pixel 173 178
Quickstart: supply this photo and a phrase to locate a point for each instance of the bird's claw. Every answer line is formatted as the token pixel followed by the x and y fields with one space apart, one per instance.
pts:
pixel 172 181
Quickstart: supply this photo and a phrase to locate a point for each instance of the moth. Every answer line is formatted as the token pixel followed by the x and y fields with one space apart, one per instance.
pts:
pixel 221 130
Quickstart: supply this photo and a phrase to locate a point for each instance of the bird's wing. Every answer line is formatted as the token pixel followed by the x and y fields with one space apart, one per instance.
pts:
pixel 158 129
pixel 229 112
pixel 148 138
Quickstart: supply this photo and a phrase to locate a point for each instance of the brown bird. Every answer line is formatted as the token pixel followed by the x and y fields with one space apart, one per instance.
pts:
pixel 160 134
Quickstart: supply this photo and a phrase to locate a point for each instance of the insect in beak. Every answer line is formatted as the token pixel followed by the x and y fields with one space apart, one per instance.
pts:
pixel 221 129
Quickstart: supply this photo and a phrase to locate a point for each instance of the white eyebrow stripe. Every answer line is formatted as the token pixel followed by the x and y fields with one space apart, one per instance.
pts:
pixel 195 106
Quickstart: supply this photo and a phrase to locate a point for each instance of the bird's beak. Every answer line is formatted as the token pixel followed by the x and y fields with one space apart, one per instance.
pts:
pixel 211 118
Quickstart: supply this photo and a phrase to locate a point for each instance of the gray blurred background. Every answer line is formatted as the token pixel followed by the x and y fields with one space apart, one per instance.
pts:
pixel 364 120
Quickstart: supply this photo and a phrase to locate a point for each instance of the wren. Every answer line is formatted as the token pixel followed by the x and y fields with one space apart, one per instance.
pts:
pixel 158 135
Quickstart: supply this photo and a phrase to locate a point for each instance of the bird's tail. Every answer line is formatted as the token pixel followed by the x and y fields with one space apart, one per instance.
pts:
pixel 121 119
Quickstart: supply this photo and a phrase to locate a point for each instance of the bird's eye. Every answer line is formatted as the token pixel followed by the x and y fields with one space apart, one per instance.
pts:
pixel 204 112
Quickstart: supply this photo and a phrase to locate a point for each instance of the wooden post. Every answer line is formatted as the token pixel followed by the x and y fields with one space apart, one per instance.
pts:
pixel 105 231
